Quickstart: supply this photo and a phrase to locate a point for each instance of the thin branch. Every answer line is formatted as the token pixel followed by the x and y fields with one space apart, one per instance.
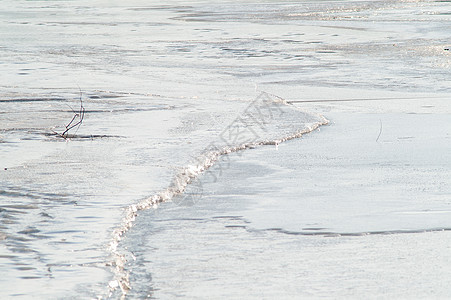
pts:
pixel 380 130
pixel 80 115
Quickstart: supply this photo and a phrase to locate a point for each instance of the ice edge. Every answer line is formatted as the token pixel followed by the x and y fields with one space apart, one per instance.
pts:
pixel 184 177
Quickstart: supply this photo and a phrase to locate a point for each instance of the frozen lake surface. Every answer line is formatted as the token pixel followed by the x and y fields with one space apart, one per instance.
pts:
pixel 352 208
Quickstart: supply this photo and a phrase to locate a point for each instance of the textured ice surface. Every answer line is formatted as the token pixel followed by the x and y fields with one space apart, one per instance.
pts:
pixel 159 83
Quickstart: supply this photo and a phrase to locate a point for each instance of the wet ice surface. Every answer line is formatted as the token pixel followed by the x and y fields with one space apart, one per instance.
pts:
pixel 60 204
pixel 326 184
pixel 60 199
pixel 159 83
pixel 351 210
pixel 219 257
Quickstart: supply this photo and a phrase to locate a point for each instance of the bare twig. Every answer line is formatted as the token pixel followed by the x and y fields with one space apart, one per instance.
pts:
pixel 76 120
pixel 380 130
